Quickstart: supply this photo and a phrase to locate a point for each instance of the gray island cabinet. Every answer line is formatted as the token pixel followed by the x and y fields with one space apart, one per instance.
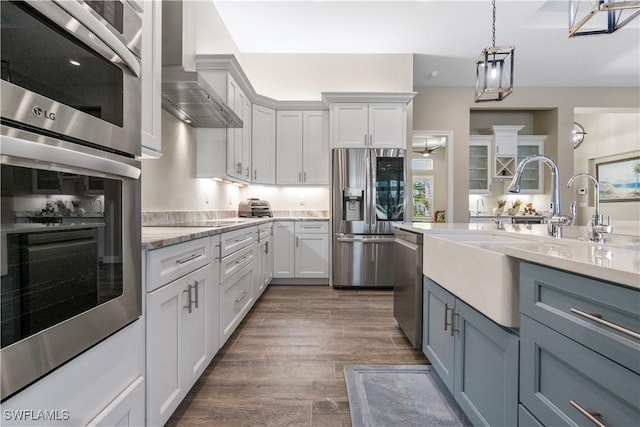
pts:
pixel 579 350
pixel 476 358
pixel 575 360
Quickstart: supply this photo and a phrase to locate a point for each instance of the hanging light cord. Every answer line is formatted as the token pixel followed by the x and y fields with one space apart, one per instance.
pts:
pixel 493 2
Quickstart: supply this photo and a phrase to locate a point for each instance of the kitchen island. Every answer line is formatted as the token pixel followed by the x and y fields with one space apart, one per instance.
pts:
pixel 526 329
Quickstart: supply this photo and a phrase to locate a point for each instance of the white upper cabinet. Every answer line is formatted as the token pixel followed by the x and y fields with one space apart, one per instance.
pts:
pixel 302 148
pixel 350 125
pixel 387 125
pixel 369 125
pixel 289 147
pixel 315 147
pixel 151 107
pixel 263 145
pixel 226 153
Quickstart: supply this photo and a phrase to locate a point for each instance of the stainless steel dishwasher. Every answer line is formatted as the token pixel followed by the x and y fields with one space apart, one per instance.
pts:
pixel 407 285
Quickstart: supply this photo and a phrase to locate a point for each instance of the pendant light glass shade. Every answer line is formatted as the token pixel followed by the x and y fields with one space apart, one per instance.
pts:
pixel 494 73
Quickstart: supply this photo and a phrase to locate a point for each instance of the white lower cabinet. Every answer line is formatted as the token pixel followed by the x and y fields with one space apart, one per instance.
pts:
pixel 284 249
pixel 238 278
pixel 176 341
pixel 301 249
pixel 312 255
pixel 236 299
pixel 126 410
pixel 265 258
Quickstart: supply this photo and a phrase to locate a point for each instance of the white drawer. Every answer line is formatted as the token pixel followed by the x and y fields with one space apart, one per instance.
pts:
pixel 308 227
pixel 264 231
pixel 236 298
pixel 236 240
pixel 233 263
pixel 167 264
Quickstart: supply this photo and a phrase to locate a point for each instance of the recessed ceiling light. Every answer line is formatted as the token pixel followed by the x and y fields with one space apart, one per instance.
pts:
pixel 187 121
pixel 74 62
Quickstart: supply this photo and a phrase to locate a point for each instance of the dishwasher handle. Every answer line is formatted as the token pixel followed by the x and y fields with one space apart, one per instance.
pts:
pixel 406 244
pixel 364 239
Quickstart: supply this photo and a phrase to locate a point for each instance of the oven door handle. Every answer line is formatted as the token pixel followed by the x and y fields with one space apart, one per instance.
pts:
pixel 85 18
pixel 15 147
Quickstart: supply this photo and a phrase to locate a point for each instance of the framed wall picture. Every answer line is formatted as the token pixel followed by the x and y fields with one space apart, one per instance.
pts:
pixel 619 180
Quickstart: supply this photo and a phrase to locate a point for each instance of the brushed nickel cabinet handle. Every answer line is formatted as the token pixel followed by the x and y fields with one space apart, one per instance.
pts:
pixel 304 177
pixel 299 176
pixel 598 319
pixel 453 324
pixel 187 259
pixel 244 294
pixel 255 174
pixel 446 311
pixel 248 172
pixel 195 286
pixel 188 291
pixel 591 415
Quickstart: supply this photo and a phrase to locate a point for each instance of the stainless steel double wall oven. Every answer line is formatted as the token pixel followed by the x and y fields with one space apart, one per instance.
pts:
pixel 70 187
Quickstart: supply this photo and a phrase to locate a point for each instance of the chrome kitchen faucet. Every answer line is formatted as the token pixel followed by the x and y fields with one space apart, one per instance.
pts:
pixel 555 220
pixel 597 226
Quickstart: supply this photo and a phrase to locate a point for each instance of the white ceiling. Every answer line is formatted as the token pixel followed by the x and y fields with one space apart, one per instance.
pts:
pixel 446 36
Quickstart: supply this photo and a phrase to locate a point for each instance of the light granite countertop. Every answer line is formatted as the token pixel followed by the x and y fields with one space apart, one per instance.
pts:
pixel 157 236
pixel 617 260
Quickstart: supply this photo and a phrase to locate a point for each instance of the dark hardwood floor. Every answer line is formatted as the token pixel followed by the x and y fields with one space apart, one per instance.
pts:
pixel 283 365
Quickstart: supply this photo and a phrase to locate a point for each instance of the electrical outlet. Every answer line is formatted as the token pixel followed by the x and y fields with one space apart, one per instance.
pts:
pixel 582 191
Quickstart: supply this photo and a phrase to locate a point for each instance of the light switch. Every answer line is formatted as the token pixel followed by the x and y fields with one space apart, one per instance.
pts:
pixel 582 191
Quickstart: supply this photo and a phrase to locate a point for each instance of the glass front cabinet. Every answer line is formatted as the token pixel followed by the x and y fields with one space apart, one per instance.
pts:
pixel 479 164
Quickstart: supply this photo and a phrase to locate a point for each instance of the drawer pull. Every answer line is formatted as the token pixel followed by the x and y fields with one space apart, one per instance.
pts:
pixel 598 319
pixel 187 259
pixel 453 324
pixel 243 259
pixel 311 226
pixel 244 294
pixel 589 414
pixel 243 239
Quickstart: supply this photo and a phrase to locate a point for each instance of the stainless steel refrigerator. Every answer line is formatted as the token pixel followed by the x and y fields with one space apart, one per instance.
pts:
pixel 368 195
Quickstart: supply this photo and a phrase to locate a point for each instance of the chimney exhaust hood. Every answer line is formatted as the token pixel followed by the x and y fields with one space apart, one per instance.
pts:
pixel 185 94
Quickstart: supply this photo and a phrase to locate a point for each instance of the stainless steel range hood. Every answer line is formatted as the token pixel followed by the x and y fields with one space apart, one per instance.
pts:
pixel 185 94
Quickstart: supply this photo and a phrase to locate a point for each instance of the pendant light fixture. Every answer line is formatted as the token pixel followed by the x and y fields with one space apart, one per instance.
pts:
pixel 494 69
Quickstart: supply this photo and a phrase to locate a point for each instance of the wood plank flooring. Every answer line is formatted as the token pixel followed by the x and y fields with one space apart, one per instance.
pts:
pixel 283 365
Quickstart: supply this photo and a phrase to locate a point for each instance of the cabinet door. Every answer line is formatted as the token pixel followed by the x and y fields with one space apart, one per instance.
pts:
pixel 212 308
pixel 151 108
pixel 263 145
pixel 283 249
pixel 349 125
pixel 532 181
pixel 235 101
pixel 246 139
pixel 387 125
pixel 164 330
pixel 269 262
pixel 486 369
pixel 263 269
pixel 315 148
pixel 289 147
pixel 312 255
pixel 479 164
pixel 437 336
pixel 194 341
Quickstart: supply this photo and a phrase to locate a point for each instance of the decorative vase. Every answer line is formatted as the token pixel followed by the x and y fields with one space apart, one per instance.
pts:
pixel 498 211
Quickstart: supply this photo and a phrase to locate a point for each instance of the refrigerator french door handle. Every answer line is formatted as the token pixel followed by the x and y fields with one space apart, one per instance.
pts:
pixel 372 188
